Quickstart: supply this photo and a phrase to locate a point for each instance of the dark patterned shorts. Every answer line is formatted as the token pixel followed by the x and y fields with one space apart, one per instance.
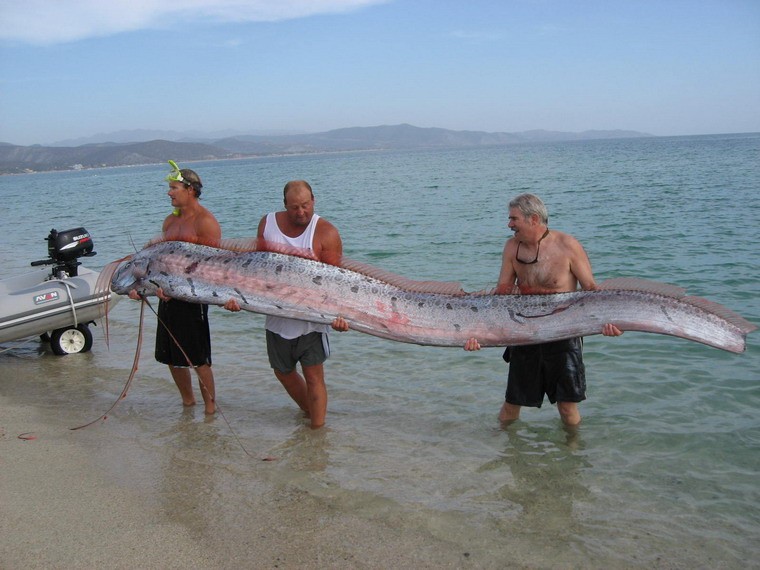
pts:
pixel 188 323
pixel 554 369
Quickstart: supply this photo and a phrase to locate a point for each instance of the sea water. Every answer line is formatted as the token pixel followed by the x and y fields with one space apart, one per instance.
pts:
pixel 663 471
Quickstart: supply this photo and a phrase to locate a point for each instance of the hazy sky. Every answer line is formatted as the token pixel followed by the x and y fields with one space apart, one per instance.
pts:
pixel 73 68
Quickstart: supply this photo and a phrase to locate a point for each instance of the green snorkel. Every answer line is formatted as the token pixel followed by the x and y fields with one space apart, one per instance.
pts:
pixel 175 176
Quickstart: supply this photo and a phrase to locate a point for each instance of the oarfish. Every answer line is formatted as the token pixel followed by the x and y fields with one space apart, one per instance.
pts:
pixel 425 313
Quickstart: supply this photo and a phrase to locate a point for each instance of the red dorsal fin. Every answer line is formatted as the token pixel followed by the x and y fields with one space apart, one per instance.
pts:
pixel 239 245
pixel 439 287
pixel 666 290
pixel 723 312
pixel 242 245
pixel 643 285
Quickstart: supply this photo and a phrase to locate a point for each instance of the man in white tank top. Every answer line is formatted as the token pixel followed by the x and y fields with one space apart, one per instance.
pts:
pixel 291 341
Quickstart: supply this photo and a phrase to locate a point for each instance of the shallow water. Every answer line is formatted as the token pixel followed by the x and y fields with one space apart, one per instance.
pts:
pixel 662 472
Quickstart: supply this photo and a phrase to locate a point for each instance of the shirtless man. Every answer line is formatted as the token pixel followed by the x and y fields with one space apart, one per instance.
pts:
pixel 291 341
pixel 186 322
pixel 539 261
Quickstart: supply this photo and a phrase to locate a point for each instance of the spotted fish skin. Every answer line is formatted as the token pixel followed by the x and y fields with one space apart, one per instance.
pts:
pixel 289 286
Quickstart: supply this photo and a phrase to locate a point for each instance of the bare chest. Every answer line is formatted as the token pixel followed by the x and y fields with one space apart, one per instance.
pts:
pixel 181 227
pixel 547 275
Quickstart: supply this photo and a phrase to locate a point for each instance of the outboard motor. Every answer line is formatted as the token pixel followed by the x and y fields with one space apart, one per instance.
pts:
pixel 64 248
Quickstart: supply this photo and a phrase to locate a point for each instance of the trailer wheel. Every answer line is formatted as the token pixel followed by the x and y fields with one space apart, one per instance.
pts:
pixel 70 340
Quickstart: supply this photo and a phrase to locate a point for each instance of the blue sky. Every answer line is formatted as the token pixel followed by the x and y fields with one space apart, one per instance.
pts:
pixel 76 68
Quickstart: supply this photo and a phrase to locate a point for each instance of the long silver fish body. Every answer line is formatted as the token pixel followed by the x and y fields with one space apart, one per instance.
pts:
pixel 408 311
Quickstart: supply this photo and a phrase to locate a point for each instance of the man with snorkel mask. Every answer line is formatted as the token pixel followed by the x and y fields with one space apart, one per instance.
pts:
pixel 182 324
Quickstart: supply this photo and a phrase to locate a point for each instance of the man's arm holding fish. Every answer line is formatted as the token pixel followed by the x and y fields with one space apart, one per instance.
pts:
pixel 199 227
pixel 328 247
pixel 580 266
pixel 578 270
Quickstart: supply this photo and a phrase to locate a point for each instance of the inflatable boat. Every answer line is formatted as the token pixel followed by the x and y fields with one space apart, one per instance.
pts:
pixel 59 304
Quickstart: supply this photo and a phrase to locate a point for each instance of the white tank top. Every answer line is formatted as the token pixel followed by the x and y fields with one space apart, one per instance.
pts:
pixel 291 328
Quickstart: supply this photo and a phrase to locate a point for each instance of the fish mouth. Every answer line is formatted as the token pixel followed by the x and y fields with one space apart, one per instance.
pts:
pixel 129 275
pixel 122 280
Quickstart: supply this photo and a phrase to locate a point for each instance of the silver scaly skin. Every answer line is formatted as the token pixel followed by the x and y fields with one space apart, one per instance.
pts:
pixel 407 311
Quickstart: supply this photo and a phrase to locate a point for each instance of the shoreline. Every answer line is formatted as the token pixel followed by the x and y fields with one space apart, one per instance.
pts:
pixel 71 502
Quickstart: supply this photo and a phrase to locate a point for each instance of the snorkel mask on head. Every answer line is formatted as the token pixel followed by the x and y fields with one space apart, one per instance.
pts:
pixel 185 176
pixel 175 175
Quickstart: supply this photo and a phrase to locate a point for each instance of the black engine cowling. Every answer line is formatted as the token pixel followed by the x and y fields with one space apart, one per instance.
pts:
pixel 64 248
pixel 69 244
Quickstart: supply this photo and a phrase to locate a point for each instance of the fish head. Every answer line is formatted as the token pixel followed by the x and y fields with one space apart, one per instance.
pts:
pixel 132 275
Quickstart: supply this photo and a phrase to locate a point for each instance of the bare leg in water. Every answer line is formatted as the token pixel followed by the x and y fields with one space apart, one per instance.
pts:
pixel 309 393
pixel 509 413
pixel 183 379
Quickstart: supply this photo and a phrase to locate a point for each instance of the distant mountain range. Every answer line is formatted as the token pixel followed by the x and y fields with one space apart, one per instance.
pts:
pixel 16 159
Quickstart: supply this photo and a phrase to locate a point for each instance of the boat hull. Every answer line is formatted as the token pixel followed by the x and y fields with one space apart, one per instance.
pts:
pixel 34 304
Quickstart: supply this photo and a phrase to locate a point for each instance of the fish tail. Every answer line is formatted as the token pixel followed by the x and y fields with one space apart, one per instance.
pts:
pixel 675 292
pixel 725 313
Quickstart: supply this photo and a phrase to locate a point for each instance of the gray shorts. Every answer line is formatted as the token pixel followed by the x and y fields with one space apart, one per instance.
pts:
pixel 310 350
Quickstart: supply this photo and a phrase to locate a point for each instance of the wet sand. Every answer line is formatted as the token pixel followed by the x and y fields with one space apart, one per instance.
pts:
pixel 76 500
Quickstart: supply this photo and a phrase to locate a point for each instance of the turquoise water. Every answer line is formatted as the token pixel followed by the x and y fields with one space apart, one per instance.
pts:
pixel 663 471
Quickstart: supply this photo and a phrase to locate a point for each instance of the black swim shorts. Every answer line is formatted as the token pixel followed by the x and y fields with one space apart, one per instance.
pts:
pixel 553 368
pixel 310 349
pixel 188 323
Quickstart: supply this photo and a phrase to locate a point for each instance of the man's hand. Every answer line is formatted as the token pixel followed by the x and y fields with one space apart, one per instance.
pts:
pixel 161 295
pixel 133 294
pixel 232 305
pixel 611 330
pixel 472 344
pixel 339 324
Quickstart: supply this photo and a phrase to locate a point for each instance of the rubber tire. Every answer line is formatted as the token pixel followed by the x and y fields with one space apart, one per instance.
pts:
pixel 71 340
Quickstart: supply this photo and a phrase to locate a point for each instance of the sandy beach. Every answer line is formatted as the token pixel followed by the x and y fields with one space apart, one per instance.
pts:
pixel 64 506
pixel 60 509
